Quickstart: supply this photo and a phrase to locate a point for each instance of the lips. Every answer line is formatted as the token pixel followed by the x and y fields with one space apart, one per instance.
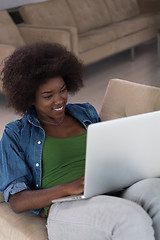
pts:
pixel 58 109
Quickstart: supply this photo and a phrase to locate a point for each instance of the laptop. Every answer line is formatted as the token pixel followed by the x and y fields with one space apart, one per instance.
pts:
pixel 120 153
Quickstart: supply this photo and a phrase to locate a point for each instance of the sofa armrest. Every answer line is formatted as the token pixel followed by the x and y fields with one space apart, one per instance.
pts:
pixel 124 98
pixel 73 34
pixel 66 36
pixel 74 37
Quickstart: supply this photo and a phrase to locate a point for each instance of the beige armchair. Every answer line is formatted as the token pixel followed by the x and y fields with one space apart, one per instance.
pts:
pixel 122 99
pixel 12 36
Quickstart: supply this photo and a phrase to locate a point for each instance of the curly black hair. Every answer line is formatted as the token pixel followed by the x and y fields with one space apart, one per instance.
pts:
pixel 32 65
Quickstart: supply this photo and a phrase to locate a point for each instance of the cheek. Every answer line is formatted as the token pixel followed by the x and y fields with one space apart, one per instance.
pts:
pixel 41 104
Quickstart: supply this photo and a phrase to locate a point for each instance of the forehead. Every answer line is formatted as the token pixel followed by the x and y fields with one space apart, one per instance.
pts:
pixel 52 84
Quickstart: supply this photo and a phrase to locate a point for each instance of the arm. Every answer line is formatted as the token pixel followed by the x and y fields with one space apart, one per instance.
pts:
pixel 34 199
pixel 16 178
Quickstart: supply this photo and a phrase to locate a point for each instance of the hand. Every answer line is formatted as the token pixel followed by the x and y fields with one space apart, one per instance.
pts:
pixel 76 187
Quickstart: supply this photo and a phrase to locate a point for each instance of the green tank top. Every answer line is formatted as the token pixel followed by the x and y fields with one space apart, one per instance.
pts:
pixel 63 160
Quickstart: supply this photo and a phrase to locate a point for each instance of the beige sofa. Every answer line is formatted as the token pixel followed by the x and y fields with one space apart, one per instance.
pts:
pixel 97 29
pixel 122 99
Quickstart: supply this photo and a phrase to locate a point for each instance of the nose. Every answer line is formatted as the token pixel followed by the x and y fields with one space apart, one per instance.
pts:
pixel 58 99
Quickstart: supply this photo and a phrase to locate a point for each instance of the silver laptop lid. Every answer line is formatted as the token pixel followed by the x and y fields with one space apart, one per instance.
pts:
pixel 121 152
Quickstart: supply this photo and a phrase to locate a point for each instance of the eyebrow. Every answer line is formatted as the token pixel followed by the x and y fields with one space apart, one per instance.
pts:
pixel 52 91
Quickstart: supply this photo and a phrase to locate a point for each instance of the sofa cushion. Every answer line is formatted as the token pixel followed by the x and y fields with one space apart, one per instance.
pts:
pixel 135 24
pixel 51 13
pixel 21 226
pixel 89 14
pixel 122 9
pixel 98 37
pixel 9 33
pixel 95 38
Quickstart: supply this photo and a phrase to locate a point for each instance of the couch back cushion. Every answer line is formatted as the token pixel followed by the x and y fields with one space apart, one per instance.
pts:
pixel 50 13
pixel 122 9
pixel 9 33
pixel 89 14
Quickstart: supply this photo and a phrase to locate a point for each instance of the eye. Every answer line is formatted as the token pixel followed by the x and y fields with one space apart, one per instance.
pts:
pixel 63 90
pixel 48 97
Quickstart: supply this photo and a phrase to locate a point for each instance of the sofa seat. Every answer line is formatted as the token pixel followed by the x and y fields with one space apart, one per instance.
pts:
pixel 137 24
pixel 24 226
pixel 95 38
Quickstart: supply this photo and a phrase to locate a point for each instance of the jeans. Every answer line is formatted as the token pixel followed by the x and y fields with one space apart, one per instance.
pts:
pixel 147 194
pixel 101 217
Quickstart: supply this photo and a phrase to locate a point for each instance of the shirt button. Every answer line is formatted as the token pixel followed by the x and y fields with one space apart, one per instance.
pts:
pixel 39 142
pixel 37 164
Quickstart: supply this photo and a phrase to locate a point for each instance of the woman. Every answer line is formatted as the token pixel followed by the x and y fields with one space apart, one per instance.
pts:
pixel 42 155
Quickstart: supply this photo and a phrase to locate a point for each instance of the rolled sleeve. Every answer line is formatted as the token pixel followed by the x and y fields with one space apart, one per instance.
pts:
pixel 14 188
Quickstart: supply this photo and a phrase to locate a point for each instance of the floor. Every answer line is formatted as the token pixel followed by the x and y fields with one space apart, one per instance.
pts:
pixel 144 69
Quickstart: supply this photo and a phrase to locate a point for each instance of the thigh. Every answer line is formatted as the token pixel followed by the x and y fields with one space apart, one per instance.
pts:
pixel 99 218
pixel 147 194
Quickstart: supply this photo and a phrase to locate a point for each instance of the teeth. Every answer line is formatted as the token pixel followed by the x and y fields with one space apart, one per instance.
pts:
pixel 59 109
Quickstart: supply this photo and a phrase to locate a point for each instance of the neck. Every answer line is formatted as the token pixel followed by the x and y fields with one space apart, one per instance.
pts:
pixel 53 122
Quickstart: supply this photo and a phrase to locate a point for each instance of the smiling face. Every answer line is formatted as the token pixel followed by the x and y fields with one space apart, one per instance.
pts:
pixel 51 99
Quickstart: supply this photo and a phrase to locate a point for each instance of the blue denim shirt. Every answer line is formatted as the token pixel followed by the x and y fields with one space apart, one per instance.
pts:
pixel 21 149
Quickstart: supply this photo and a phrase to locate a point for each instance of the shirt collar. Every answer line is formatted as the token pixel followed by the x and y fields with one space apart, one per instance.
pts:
pixel 32 117
pixel 80 117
